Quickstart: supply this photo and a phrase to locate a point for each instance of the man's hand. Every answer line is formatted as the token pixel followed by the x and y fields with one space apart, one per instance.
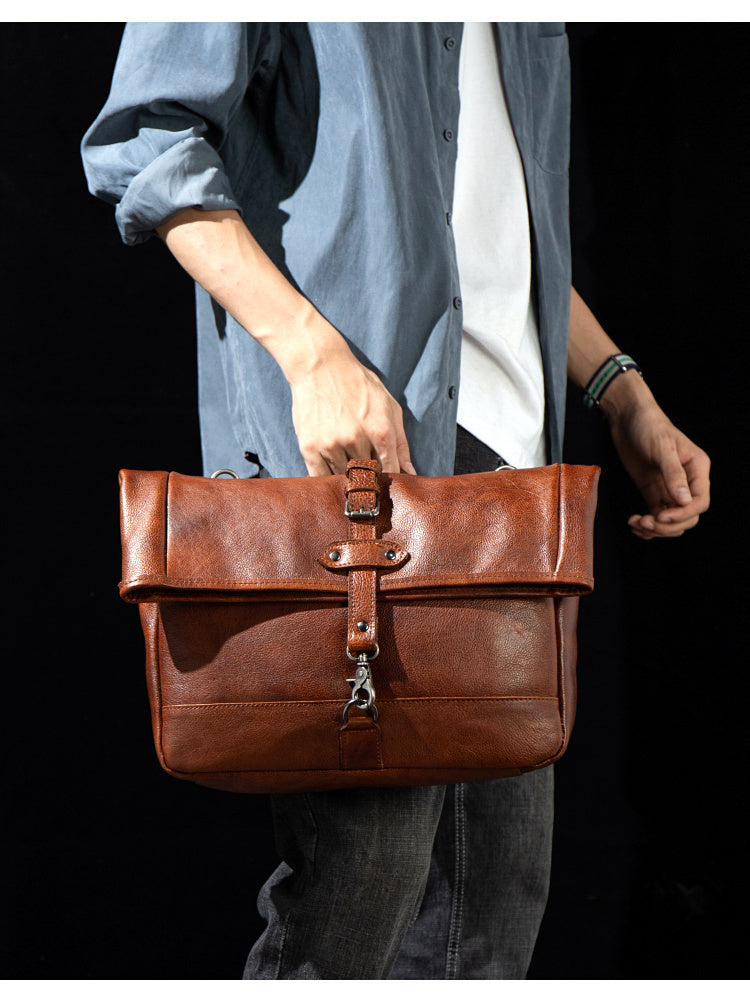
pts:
pixel 671 472
pixel 341 411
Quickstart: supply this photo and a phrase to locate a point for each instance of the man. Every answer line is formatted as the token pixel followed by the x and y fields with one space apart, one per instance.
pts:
pixel 352 271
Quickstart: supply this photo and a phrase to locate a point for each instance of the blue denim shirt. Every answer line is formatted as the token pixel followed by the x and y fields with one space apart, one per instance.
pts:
pixel 337 144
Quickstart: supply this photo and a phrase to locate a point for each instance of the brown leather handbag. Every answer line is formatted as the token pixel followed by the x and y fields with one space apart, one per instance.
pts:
pixel 359 630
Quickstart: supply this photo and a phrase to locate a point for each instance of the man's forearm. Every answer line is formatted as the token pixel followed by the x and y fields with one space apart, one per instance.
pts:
pixel 340 408
pixel 588 347
pixel 221 254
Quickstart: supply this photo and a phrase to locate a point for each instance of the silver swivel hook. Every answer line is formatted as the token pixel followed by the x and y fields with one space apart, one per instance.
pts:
pixel 363 693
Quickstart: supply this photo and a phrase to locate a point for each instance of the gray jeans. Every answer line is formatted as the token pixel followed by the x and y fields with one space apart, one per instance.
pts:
pixel 428 882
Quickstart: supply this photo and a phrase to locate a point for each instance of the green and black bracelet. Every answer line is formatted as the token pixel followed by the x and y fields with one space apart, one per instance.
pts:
pixel 604 375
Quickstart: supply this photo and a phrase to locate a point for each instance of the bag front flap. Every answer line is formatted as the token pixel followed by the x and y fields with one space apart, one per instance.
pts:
pixel 524 531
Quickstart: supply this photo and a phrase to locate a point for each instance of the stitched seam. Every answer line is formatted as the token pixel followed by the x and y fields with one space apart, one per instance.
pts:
pixel 282 944
pixel 311 813
pixel 350 563
pixel 559 639
pixel 558 557
pixel 166 527
pixel 371 577
pixel 323 702
pixel 546 170
pixel 322 583
pixel 484 772
pixel 159 694
pixel 457 904
pixel 541 578
pixel 560 667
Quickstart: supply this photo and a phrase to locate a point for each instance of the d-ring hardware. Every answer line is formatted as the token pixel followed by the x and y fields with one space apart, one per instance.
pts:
pixel 225 473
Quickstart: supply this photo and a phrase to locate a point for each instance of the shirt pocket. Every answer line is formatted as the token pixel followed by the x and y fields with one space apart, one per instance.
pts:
pixel 550 88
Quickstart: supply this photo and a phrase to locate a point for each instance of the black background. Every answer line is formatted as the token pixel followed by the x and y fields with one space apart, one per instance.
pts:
pixel 115 870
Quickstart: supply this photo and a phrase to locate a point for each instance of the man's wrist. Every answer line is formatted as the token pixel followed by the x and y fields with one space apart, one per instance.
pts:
pixel 625 393
pixel 305 343
pixel 607 372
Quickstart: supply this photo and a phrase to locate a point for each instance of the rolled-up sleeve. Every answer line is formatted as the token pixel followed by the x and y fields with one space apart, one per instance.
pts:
pixel 154 149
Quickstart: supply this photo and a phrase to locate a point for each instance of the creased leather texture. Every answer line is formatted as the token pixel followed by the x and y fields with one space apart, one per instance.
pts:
pixel 246 624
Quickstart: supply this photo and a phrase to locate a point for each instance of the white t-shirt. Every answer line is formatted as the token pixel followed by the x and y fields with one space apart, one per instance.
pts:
pixel 501 400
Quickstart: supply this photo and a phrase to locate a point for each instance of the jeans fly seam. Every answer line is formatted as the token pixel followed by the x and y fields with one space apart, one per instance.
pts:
pixel 314 853
pixel 454 934
pixel 282 944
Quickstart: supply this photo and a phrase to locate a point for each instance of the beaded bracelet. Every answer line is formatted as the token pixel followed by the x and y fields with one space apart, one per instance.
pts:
pixel 604 375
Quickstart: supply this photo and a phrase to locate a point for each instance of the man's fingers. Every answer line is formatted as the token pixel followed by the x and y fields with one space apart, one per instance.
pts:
pixel 384 445
pixel 390 445
pixel 695 469
pixel 698 468
pixel 317 466
pixel 358 447
pixel 404 456
pixel 647 527
pixel 322 461
pixel 673 515
pixel 675 478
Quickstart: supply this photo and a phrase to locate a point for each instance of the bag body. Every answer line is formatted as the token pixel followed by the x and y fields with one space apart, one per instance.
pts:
pixel 452 601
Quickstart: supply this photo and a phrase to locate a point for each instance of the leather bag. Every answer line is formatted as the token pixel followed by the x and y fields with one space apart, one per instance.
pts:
pixel 362 629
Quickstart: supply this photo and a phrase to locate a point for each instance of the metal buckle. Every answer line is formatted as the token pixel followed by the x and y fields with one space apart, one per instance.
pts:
pixel 360 514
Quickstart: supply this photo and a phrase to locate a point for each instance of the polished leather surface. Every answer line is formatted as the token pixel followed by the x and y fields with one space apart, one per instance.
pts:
pixel 246 645
pixel 514 529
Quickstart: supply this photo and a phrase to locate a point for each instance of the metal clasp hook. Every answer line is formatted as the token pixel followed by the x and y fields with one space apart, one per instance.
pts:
pixel 363 693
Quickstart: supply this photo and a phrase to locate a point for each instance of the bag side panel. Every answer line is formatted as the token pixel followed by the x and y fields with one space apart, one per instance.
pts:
pixel 143 526
pixel 576 511
pixel 567 622
pixel 149 614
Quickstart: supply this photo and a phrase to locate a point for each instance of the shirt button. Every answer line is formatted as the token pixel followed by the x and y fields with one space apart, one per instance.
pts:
pixel 452 392
pixel 448 217
pixel 449 135
pixel 450 43
pixel 457 304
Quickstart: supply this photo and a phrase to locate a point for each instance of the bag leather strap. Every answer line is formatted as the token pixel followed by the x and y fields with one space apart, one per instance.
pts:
pixel 362 508
pixel 359 738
